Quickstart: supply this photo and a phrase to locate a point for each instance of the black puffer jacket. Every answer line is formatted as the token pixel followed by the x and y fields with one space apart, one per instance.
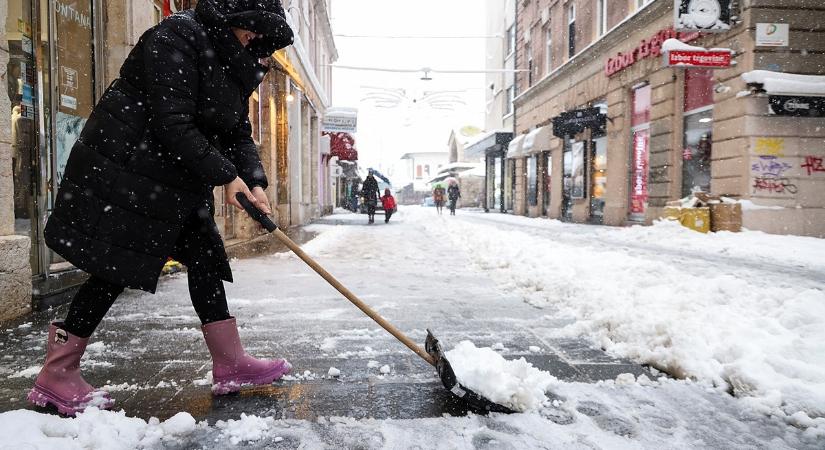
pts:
pixel 138 183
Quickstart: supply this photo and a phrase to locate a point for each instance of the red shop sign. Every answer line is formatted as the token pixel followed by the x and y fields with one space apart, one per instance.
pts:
pixel 698 58
pixel 638 188
pixel 647 48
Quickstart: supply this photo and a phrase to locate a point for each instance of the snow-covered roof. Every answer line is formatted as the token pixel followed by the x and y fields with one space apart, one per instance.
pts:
pixel 780 83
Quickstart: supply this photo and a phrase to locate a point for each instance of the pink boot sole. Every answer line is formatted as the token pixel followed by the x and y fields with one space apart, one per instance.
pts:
pixel 42 397
pixel 230 384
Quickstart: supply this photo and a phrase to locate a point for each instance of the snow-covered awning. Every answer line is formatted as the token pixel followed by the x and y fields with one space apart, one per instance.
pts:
pixel 779 83
pixel 537 140
pixel 514 149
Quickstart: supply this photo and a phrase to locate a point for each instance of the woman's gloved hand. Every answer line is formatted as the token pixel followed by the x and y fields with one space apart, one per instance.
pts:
pixel 258 197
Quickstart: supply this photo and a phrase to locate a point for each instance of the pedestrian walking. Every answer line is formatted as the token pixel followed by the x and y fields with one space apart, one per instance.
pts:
pixel 453 193
pixel 388 202
pixel 138 187
pixel 438 198
pixel 370 193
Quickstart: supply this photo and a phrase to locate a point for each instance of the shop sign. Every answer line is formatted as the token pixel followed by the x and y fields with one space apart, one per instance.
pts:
pixel 340 119
pixel 799 106
pixel 772 34
pixel 648 48
pixel 710 59
pixel 573 122
pixel 711 16
pixel 638 190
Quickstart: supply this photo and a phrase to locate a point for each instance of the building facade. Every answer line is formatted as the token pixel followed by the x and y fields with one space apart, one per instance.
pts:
pixel 56 60
pixel 605 133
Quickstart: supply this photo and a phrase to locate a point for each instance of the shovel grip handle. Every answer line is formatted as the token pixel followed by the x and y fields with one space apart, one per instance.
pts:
pixel 256 213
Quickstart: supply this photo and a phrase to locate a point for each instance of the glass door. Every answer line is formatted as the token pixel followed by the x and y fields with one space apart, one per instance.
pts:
pixel 598 181
pixel 73 90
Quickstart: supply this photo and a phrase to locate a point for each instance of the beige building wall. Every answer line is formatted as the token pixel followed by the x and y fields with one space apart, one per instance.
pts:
pixel 15 268
pixel 743 132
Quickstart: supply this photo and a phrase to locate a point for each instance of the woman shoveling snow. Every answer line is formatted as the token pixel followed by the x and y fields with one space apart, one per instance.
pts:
pixel 138 186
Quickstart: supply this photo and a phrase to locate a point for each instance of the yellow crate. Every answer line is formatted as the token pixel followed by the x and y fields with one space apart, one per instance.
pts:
pixel 697 219
pixel 673 212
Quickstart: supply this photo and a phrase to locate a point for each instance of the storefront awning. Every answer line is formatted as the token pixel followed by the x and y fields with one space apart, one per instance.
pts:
pixel 492 142
pixel 514 149
pixel 342 145
pixel 537 140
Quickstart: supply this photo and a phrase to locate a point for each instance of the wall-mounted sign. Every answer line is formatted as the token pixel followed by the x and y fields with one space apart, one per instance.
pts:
pixel 647 48
pixel 639 175
pixel 573 122
pixel 340 119
pixel 711 16
pixel 799 106
pixel 710 59
pixel 772 34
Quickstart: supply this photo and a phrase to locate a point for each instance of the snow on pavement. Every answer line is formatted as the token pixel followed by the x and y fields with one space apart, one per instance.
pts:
pixel 743 312
pixel 523 257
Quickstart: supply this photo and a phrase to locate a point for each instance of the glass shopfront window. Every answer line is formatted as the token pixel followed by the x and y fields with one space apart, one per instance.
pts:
pixel 547 172
pixel 51 86
pixel 532 180
pixel 567 181
pixel 698 123
pixel 598 179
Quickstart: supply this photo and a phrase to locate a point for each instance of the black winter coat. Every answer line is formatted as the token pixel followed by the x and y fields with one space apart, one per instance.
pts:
pixel 138 183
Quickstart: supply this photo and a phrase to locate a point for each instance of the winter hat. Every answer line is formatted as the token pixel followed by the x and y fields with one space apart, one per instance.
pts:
pixel 264 17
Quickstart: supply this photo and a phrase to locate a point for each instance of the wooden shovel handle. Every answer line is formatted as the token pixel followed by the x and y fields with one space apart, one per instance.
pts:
pixel 270 226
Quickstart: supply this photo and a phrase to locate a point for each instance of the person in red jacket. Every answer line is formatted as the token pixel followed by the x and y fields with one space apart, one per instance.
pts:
pixel 388 201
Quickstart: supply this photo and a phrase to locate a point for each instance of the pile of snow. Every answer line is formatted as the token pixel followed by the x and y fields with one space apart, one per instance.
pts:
pixel 248 428
pixel 744 312
pixel 93 429
pixel 333 372
pixel 786 83
pixel 514 384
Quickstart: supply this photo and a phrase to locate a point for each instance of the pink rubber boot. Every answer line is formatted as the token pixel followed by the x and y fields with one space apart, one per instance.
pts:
pixel 231 366
pixel 59 382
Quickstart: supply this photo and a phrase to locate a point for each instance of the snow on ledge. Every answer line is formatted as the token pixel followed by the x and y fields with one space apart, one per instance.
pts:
pixel 677 45
pixel 786 83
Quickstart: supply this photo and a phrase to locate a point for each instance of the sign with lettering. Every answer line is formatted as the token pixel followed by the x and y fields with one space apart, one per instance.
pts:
pixel 797 105
pixel 639 174
pixel 573 122
pixel 340 119
pixel 772 34
pixel 648 48
pixel 710 59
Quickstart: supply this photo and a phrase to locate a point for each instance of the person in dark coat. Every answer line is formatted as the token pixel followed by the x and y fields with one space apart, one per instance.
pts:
pixel 453 194
pixel 370 193
pixel 138 186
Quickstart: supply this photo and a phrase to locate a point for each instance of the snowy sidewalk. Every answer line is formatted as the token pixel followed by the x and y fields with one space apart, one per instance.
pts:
pixel 485 278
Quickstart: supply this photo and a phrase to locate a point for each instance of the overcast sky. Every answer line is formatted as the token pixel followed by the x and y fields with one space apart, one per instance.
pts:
pixel 385 134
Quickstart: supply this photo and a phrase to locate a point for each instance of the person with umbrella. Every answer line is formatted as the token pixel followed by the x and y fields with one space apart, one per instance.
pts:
pixel 453 194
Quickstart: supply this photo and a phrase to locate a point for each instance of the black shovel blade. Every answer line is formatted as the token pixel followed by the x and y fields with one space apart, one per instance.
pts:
pixel 475 401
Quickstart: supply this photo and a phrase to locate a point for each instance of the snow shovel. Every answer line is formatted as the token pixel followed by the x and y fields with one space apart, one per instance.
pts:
pixel 434 353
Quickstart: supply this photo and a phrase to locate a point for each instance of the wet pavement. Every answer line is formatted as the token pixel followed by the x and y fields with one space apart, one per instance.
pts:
pixel 149 350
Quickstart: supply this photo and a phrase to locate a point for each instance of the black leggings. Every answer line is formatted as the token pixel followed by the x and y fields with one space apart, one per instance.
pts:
pixel 96 296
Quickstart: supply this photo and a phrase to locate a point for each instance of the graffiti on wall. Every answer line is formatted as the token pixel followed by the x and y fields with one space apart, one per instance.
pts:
pixel 770 169
pixel 813 164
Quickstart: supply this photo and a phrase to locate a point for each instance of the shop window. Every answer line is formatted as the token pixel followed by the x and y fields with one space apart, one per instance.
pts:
pixel 698 126
pixel 640 123
pixel 419 172
pixel 571 31
pixel 532 180
pixel 598 178
pixel 426 170
pixel 547 172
